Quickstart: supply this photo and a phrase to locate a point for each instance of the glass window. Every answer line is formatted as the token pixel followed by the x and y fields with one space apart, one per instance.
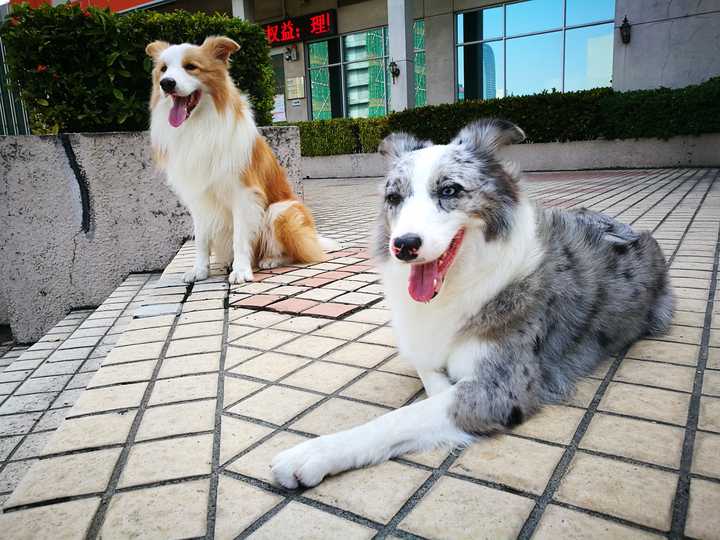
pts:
pixel 525 47
pixel 534 16
pixel 324 53
pixel 588 57
pixel 534 64
pixel 481 71
pixel 420 70
pixel 326 93
pixel 479 25
pixel 589 11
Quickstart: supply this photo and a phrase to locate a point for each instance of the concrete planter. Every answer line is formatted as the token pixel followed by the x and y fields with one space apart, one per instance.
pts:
pixel 82 211
pixel 685 151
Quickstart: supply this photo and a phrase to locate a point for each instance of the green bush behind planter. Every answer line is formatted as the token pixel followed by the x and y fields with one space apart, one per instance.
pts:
pixel 87 70
pixel 601 113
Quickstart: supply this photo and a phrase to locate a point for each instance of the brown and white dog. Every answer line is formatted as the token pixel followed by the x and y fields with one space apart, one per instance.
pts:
pixel 205 138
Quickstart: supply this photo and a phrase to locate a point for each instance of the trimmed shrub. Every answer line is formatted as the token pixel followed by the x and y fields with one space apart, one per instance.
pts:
pixel 87 70
pixel 329 137
pixel 601 113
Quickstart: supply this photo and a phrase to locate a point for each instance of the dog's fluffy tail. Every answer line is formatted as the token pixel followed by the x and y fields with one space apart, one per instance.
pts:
pixel 294 230
pixel 328 244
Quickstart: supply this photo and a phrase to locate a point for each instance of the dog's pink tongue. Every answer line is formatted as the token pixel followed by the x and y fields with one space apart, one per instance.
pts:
pixel 421 285
pixel 178 113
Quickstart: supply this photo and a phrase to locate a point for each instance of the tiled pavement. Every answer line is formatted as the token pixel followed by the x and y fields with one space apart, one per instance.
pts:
pixel 174 435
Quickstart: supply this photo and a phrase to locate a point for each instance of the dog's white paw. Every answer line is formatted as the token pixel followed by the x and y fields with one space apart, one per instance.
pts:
pixel 241 275
pixel 196 274
pixel 305 464
pixel 271 262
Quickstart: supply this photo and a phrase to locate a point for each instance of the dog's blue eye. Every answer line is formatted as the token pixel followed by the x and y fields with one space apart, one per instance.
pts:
pixel 450 191
pixel 393 199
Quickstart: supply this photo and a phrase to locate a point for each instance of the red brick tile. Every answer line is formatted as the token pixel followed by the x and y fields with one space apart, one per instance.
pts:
pixel 329 309
pixel 292 305
pixel 258 300
pixel 357 268
pixel 313 282
pixel 260 276
pixel 334 274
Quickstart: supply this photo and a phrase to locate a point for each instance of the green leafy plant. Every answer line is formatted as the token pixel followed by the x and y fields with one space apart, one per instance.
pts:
pixel 601 113
pixel 87 70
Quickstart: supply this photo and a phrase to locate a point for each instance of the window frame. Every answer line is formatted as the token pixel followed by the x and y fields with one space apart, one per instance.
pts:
pixel 504 39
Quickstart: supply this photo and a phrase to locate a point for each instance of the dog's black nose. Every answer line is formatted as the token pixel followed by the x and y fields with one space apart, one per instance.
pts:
pixel 406 247
pixel 167 84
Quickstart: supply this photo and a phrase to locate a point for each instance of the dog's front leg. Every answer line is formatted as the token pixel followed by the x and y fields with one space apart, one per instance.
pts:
pixel 247 218
pixel 434 381
pixel 202 249
pixel 420 426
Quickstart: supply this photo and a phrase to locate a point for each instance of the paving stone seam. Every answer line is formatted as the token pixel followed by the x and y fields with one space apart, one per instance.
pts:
pixel 682 495
pixel 98 519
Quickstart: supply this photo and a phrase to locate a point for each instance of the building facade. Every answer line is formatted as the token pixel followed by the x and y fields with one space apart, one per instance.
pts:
pixel 363 58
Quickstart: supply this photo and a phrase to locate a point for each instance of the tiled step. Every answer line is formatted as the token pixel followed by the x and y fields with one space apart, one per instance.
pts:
pixel 39 384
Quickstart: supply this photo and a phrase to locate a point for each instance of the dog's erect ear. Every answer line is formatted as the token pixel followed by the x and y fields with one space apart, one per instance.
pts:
pixel 154 49
pixel 220 47
pixel 396 144
pixel 489 134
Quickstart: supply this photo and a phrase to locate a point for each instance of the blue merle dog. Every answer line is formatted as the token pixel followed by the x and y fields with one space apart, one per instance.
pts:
pixel 500 305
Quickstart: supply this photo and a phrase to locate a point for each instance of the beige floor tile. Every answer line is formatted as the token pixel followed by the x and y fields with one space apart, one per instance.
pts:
pixel 636 439
pixel 146 335
pixel 631 492
pixel 660 351
pixel 361 354
pixel 237 435
pixel 711 383
pixel 337 415
pixel 237 355
pixel 265 339
pixel 299 522
pixel 256 463
pixel 558 522
pixel 650 403
pixel 656 374
pixel 371 315
pixel 177 419
pixel 125 396
pixel 184 388
pixel 173 511
pixel 187 365
pixel 706 459
pixel 301 324
pixel 238 505
pixel 132 353
pixel 585 390
pixel 703 519
pixel 236 389
pixel 554 423
pixel 263 319
pixel 517 463
pixel 384 388
pixel 431 458
pixel 385 488
pixel 344 330
pixel 182 347
pixel 275 404
pixel 709 414
pixel 683 334
pixel 461 510
pixel 123 373
pixel 210 328
pixel 322 376
pixel 713 360
pixel 399 365
pixel 63 521
pixel 167 459
pixel 201 316
pixel 311 346
pixel 687 318
pixel 381 336
pixel 91 431
pixel 270 366
pixel 65 476
pixel 236 331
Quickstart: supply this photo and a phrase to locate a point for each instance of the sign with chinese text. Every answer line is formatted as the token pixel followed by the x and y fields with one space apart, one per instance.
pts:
pixel 303 28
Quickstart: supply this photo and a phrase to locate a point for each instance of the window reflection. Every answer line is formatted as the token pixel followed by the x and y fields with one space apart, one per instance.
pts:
pixel 534 64
pixel 588 57
pixel 534 16
pixel 480 71
pixel 589 11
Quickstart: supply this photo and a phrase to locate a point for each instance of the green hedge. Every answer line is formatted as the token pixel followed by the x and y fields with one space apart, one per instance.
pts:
pixel 601 113
pixel 87 70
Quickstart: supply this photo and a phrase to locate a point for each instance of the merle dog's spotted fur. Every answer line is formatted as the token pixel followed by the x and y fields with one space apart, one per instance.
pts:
pixel 598 287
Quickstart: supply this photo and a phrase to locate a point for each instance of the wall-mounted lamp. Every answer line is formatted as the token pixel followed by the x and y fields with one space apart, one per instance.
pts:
pixel 394 70
pixel 291 53
pixel 625 31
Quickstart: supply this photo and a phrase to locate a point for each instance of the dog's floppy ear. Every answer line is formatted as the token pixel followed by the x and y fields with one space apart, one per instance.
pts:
pixel 396 144
pixel 220 47
pixel 488 134
pixel 154 49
